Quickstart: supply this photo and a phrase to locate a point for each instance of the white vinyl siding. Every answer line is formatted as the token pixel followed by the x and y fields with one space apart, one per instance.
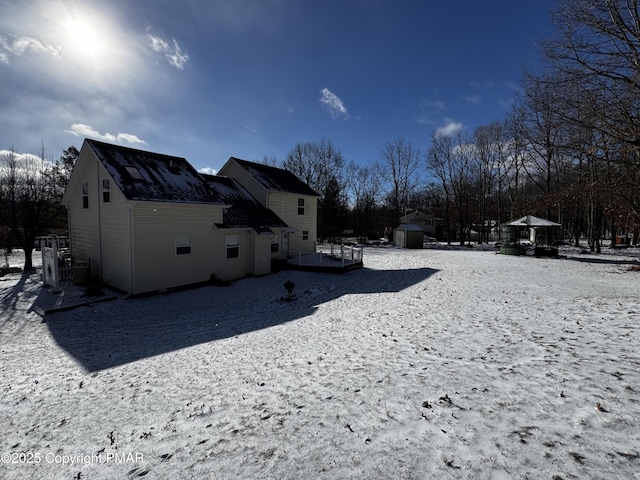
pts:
pixel 286 206
pixel 156 226
pixel 83 221
pixel 233 170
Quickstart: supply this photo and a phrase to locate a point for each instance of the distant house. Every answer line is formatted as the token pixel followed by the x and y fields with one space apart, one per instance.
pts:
pixel 148 222
pixel 408 235
pixel 432 226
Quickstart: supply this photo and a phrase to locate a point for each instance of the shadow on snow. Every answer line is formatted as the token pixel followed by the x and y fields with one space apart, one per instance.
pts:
pixel 11 298
pixel 111 334
pixel 613 261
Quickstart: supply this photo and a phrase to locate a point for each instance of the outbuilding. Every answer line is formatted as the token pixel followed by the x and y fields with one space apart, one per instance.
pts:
pixel 540 232
pixel 408 235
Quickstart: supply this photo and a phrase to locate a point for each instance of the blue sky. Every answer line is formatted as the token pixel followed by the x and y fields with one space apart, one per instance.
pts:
pixel 207 80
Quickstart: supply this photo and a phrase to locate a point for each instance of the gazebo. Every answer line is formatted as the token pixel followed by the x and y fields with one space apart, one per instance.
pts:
pixel 541 232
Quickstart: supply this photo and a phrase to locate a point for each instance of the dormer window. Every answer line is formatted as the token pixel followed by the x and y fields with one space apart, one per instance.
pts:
pixel 134 172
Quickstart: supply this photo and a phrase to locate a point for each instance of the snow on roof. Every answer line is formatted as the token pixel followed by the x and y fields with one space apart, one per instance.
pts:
pixel 531 221
pixel 148 176
pixel 273 178
pixel 411 227
pixel 244 210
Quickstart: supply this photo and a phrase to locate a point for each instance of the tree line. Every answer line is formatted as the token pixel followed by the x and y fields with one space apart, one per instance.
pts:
pixel 568 150
pixel 31 187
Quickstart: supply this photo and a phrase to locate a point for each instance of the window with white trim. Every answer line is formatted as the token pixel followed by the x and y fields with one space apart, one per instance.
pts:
pixel 85 194
pixel 183 245
pixel 305 234
pixel 233 248
pixel 301 206
pixel 106 191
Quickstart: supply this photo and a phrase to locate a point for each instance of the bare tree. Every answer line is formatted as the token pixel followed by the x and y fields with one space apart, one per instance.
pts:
pixel 544 133
pixel 440 163
pixel 451 160
pixel 28 197
pixel 490 145
pixel 598 48
pixel 321 166
pixel 398 171
pixel 316 163
pixel 364 187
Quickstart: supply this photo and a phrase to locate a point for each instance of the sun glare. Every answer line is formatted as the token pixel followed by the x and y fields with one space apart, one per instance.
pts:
pixel 83 36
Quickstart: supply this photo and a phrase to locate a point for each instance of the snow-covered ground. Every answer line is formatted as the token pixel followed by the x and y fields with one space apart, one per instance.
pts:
pixel 429 363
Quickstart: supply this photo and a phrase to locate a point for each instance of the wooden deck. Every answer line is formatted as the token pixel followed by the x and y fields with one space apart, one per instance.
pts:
pixel 323 262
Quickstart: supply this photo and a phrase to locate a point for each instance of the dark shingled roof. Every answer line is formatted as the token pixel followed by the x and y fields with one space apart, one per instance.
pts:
pixel 277 179
pixel 151 176
pixel 244 210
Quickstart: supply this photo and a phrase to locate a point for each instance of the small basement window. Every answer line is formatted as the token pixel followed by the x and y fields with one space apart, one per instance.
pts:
pixel 301 206
pixel 85 194
pixel 183 245
pixel 106 191
pixel 233 249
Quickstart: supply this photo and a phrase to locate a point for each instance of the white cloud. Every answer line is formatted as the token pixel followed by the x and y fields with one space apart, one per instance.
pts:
pixel 208 170
pixel 177 58
pixel 474 99
pixel 19 45
pixel 432 105
pixel 425 120
pixel 27 164
pixel 333 104
pixel 129 138
pixel 429 110
pixel 450 129
pixel 82 130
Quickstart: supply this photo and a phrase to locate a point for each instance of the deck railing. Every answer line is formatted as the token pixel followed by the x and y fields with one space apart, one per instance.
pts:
pixel 344 254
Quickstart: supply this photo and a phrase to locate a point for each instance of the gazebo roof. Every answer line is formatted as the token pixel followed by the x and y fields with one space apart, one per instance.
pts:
pixel 531 221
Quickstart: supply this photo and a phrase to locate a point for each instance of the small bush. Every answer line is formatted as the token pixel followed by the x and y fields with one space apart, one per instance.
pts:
pixel 289 286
